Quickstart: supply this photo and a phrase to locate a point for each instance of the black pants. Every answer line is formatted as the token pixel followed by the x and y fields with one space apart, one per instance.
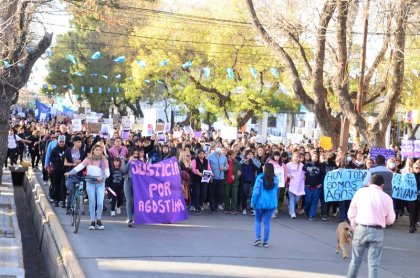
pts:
pixel 116 200
pixel 12 155
pixel 35 157
pixel 216 192
pixel 199 193
pixel 247 188
pixel 58 188
pixel 414 210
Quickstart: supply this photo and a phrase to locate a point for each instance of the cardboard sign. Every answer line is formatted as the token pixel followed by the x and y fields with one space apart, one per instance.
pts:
pixel 326 142
pixel 94 128
pixel 137 127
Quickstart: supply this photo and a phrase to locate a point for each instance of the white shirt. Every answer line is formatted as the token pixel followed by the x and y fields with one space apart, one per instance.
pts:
pixel 11 141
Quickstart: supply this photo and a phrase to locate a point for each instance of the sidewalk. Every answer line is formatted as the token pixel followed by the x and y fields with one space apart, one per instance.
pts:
pixel 11 256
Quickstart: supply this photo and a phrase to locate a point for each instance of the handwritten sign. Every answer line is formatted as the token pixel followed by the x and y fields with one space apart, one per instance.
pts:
pixel 94 128
pixel 342 184
pixel 404 187
pixel 410 148
pixel 326 142
pixel 387 153
pixel 158 192
pixel 77 125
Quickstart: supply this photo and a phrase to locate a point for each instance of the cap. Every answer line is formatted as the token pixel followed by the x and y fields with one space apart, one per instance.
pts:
pixel 62 138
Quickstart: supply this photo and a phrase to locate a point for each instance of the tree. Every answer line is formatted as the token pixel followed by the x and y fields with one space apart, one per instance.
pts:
pixel 316 83
pixel 235 98
pixel 18 54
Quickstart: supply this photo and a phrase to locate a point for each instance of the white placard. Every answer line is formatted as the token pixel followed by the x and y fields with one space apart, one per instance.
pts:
pixel 205 127
pixel 43 116
pixel 77 125
pixel 229 133
pixel 92 119
pixel 126 123
pixel 206 176
pixel 295 138
pixel 149 122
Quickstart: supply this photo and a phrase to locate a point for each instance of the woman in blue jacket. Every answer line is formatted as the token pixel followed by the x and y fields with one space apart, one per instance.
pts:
pixel 264 201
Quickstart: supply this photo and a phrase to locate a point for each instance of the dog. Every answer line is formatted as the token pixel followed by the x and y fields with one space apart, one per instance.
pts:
pixel 344 238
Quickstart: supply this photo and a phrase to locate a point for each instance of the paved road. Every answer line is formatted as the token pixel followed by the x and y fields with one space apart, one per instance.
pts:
pixel 221 246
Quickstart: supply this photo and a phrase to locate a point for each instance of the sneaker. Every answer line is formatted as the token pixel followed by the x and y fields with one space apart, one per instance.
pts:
pixel 92 225
pixel 112 213
pixel 293 216
pixel 244 212
pixel 220 207
pixel 334 214
pixel 118 210
pixel 68 211
pixel 418 224
pixel 130 223
pixel 56 204
pixel 273 215
pixel 99 225
pixel 192 208
pixel 252 213
pixel 257 242
pixel 325 218
pixel 265 244
pixel 312 219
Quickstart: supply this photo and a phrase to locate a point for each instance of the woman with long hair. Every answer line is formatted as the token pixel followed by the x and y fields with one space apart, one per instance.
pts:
pixel 97 166
pixel 296 177
pixel 264 201
pixel 186 171
pixel 280 172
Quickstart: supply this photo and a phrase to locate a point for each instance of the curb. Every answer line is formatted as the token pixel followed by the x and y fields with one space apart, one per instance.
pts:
pixel 57 252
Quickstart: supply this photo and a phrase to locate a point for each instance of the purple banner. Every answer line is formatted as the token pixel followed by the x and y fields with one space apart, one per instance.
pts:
pixel 410 148
pixel 158 192
pixel 387 153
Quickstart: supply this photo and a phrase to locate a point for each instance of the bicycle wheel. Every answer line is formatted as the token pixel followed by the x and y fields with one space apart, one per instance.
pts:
pixel 78 212
pixel 73 209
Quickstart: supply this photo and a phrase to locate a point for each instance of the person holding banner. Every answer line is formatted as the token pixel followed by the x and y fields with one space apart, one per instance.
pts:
pixel 136 155
pixel 97 166
pixel 370 211
pixel 414 206
pixel 264 201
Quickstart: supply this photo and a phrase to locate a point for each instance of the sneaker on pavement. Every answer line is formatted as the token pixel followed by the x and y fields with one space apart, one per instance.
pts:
pixel 118 210
pixel 192 208
pixel 257 242
pixel 293 216
pixel 252 213
pixel 220 207
pixel 325 218
pixel 312 219
pixel 130 223
pixel 112 213
pixel 92 225
pixel 99 225
pixel 273 215
pixel 265 244
pixel 244 212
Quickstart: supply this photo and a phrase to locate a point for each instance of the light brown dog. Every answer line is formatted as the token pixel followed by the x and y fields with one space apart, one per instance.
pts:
pixel 344 238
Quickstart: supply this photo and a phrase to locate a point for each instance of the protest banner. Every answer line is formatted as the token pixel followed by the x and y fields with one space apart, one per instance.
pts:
pixel 91 119
pixel 387 153
pixel 94 128
pixel 77 125
pixel 125 134
pixel 157 192
pixel 167 127
pixel 404 187
pixel 126 123
pixel 295 138
pixel 275 139
pixel 160 135
pixel 342 184
pixel 42 116
pixel 408 148
pixel 188 129
pixel 137 127
pixel 106 131
pixel 325 142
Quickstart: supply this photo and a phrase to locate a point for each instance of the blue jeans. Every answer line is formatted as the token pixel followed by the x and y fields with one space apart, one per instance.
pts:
pixel 311 201
pixel 96 198
pixel 293 200
pixel 71 182
pixel 129 199
pixel 372 240
pixel 344 208
pixel 259 215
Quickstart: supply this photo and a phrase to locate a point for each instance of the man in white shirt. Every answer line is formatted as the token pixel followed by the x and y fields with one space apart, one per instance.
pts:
pixel 12 147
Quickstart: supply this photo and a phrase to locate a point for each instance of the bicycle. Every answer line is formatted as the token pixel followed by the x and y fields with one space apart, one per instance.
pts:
pixel 77 203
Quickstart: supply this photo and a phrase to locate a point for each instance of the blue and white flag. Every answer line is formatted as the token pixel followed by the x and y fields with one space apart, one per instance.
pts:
pixel 206 72
pixel 230 73
pixel 164 63
pixel 71 58
pixel 253 72
pixel 120 59
pixel 96 55
pixel 187 65
pixel 275 72
pixel 141 63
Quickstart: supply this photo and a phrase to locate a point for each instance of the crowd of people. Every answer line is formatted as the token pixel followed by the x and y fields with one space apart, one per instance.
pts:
pixel 237 168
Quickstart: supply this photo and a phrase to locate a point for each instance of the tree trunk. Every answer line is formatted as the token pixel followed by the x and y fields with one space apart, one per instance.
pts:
pixel 243 119
pixel 4 128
